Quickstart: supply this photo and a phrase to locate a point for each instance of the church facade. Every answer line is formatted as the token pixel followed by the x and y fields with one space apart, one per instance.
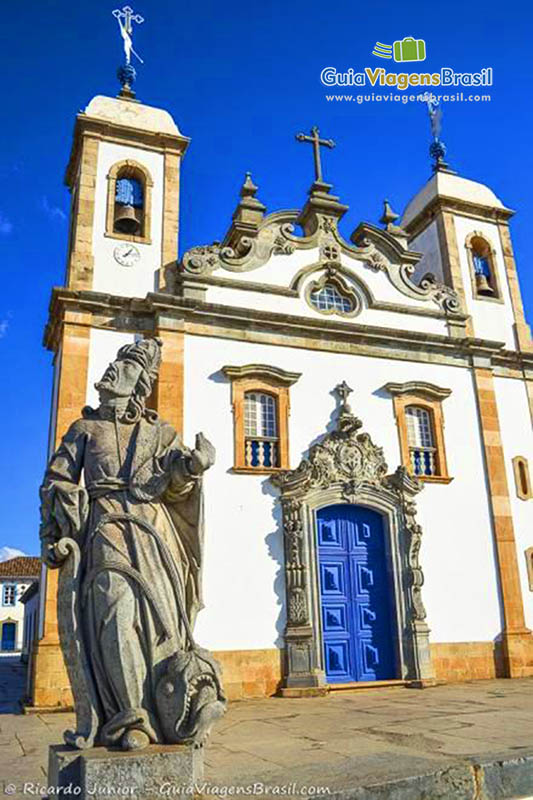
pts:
pixel 368 518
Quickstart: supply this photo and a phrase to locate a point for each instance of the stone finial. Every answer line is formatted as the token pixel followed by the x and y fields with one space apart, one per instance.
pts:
pixel 250 209
pixel 388 219
pixel 127 76
pixel 246 218
pixel 389 216
pixel 248 189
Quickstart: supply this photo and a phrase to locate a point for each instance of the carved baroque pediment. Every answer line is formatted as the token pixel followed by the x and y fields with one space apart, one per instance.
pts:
pixel 343 456
pixel 377 249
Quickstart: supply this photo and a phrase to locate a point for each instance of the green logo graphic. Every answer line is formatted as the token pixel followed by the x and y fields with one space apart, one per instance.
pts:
pixel 382 50
pixel 407 49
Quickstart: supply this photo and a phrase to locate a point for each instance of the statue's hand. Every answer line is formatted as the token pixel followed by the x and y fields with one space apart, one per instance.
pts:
pixel 47 552
pixel 203 455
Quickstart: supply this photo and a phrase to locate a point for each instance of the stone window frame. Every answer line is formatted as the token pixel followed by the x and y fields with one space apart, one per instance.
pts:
pixel 331 277
pixel 140 172
pixel 270 380
pixel 9 585
pixel 496 285
pixel 429 397
pixel 529 566
pixel 524 493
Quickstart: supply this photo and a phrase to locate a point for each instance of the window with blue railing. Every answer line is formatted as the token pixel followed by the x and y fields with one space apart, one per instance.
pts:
pixel 260 401
pixel 261 437
pixel 421 440
pixel 418 409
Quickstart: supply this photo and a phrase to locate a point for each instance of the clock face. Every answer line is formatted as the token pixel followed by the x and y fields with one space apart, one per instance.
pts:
pixel 126 254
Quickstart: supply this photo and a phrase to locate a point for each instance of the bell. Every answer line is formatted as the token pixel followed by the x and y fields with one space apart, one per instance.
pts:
pixel 482 284
pixel 128 219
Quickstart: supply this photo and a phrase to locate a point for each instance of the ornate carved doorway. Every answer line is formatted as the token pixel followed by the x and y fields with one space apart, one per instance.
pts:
pixel 358 630
pixel 346 469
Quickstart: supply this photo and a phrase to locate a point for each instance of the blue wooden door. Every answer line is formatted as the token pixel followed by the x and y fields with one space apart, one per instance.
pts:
pixel 9 630
pixel 355 593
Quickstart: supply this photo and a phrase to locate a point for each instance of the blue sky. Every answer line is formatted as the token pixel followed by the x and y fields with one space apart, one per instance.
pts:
pixel 240 79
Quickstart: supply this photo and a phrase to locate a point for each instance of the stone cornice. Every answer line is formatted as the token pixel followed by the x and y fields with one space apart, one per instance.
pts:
pixel 113 132
pixel 418 387
pixel 280 376
pixel 464 207
pixel 204 281
pixel 135 314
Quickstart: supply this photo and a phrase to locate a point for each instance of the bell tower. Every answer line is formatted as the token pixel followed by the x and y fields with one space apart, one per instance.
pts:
pixel 123 175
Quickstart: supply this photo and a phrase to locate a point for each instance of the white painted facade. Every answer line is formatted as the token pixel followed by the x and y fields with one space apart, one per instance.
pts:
pixel 244 574
pixel 248 542
pixel 109 275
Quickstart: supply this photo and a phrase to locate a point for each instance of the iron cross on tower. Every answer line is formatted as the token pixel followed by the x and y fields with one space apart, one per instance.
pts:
pixel 124 19
pixel 317 143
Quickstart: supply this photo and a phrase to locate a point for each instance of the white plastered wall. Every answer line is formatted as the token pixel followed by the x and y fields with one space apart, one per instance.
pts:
pixel 517 439
pixel 109 275
pixel 427 243
pixel 244 589
pixel 280 270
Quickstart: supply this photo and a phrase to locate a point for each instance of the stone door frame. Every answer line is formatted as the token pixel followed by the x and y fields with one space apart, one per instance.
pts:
pixel 345 467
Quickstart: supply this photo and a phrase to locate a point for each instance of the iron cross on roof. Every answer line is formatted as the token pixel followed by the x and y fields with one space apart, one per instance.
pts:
pixel 317 143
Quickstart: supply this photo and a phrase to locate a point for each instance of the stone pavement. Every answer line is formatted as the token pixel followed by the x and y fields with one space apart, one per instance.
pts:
pixel 471 740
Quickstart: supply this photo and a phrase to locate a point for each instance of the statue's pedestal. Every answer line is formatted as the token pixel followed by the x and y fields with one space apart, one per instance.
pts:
pixel 138 774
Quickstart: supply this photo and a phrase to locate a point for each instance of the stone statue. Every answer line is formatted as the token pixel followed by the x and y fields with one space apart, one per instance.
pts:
pixel 122 518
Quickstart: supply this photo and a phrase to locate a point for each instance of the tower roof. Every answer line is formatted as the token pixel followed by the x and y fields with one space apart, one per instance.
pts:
pixel 447 186
pixel 131 114
pixel 127 121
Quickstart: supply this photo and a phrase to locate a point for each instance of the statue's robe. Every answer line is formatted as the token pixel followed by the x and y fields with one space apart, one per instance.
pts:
pixel 140 571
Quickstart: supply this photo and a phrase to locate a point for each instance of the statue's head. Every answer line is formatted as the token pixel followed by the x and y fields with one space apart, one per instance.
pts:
pixel 132 375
